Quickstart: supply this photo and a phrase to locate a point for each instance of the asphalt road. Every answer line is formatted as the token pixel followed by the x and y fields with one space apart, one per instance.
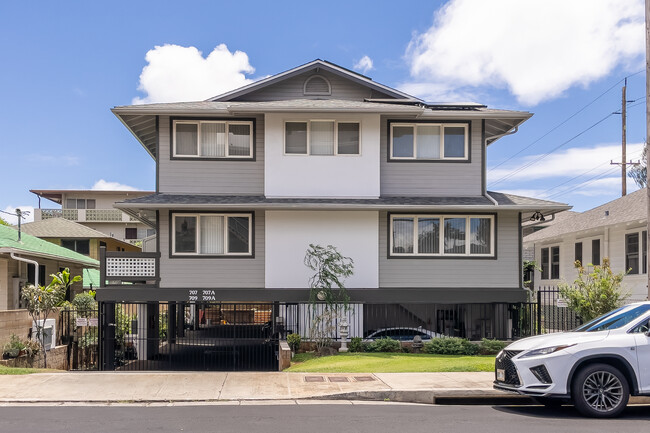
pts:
pixel 313 418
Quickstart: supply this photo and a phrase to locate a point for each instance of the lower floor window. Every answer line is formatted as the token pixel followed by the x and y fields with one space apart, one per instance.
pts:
pixel 442 235
pixel 212 234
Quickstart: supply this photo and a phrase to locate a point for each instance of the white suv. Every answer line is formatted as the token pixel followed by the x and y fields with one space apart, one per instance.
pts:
pixel 597 366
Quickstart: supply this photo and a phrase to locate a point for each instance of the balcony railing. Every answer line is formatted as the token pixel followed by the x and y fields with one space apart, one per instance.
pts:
pixel 117 268
pixel 83 215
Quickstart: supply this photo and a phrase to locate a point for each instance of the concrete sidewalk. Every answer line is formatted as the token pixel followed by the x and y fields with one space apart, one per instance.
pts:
pixel 221 386
pixel 179 387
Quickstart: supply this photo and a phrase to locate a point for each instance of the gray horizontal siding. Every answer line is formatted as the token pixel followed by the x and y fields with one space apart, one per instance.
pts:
pixel 210 177
pixel 292 88
pixel 499 273
pixel 200 273
pixel 432 178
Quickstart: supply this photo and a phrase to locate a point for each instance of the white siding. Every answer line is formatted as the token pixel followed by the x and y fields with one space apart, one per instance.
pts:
pixel 320 175
pixel 288 235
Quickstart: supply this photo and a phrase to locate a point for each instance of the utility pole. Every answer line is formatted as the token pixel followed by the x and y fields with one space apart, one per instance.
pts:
pixel 647 118
pixel 624 142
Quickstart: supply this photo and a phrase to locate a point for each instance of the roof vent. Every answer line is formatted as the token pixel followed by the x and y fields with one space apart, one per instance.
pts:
pixel 317 85
pixel 606 213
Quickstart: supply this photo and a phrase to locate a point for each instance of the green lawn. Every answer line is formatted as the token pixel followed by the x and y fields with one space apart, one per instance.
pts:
pixel 11 370
pixel 388 363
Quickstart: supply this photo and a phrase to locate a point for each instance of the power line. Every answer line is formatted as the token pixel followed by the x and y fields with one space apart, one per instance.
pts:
pixel 566 120
pixel 585 183
pixel 539 158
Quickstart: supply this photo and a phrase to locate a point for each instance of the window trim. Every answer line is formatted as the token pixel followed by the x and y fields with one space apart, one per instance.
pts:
pixel 441 255
pixel 336 137
pixel 575 252
pixel 196 120
pixel 197 254
pixel 442 124
pixel 642 264
pixel 559 262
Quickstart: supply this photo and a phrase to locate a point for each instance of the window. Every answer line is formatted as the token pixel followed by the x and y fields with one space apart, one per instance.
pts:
pixel 80 203
pixel 130 233
pixel 644 265
pixel 595 252
pixel 578 252
pixel 321 137
pixel 442 235
pixel 213 139
pixel 212 234
pixel 545 257
pixel 31 271
pixel 428 141
pixel 82 246
pixel 555 263
pixel 632 253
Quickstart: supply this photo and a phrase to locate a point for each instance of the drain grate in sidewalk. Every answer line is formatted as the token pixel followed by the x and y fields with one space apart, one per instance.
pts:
pixel 314 379
pixel 364 378
pixel 338 379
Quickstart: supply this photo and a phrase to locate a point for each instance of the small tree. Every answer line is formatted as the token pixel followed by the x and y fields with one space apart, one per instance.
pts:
pixel 596 291
pixel 326 286
pixel 64 279
pixel 41 302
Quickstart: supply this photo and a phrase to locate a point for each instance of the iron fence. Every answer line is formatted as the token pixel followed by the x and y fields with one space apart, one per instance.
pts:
pixel 79 331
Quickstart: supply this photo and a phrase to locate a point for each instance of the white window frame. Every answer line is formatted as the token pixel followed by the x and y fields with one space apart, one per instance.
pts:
pixel 441 240
pixel 639 231
pixel 442 126
pixel 198 138
pixel 336 137
pixel 197 239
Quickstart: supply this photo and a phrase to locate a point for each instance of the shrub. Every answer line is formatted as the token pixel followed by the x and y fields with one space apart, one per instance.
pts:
pixel 491 347
pixel 450 346
pixel 84 303
pixel 293 340
pixel 357 345
pixel 13 347
pixel 384 345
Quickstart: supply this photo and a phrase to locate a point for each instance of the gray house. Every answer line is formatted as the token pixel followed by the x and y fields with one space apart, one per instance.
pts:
pixel 245 181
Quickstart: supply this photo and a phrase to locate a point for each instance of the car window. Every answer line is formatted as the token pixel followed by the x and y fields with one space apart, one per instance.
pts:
pixel 642 327
pixel 614 319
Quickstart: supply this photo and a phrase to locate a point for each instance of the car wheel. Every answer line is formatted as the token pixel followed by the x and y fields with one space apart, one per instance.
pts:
pixel 600 390
pixel 550 402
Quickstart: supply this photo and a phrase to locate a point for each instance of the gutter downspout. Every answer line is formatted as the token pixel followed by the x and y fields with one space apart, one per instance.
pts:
pixel 33 262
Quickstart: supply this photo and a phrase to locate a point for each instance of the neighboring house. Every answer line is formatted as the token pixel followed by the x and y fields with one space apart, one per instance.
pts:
pixel 616 230
pixel 94 209
pixel 318 154
pixel 75 237
pixel 33 260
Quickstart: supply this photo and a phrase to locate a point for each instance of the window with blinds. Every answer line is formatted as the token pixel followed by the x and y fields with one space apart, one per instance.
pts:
pixel 442 235
pixel 212 234
pixel 429 141
pixel 322 137
pixel 213 139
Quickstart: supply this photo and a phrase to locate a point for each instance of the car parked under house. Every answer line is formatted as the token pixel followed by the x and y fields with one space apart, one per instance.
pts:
pixel 245 181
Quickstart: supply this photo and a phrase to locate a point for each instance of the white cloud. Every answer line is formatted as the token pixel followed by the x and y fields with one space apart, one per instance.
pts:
pixel 174 73
pixel 28 214
pixel 102 185
pixel 537 49
pixel 438 92
pixel 566 164
pixel 364 64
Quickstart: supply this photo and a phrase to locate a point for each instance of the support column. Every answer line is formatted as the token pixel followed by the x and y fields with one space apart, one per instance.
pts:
pixel 108 336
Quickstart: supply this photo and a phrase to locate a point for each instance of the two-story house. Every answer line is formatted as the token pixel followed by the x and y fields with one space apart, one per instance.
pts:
pixel 94 209
pixel 245 181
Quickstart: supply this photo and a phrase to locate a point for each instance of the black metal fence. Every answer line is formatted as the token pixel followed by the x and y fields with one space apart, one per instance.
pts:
pixel 245 336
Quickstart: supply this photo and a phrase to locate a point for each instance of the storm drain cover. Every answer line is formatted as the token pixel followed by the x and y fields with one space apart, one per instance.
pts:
pixel 314 379
pixel 364 378
pixel 337 379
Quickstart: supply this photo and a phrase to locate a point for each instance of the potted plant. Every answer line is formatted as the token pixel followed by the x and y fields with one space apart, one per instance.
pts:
pixel 13 348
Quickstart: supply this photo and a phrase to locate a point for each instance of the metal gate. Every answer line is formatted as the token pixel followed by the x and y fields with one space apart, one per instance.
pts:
pixel 79 331
pixel 189 336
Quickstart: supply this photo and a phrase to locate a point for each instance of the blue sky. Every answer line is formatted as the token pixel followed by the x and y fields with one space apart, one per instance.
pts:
pixel 65 64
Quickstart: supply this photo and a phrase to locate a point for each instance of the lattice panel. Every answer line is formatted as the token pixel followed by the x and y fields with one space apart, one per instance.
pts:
pixel 130 267
pixel 103 215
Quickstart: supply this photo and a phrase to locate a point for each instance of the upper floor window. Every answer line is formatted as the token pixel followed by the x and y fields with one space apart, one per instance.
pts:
pixel 442 235
pixel 428 141
pixel 80 203
pixel 636 252
pixel 212 234
pixel 213 139
pixel 322 137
